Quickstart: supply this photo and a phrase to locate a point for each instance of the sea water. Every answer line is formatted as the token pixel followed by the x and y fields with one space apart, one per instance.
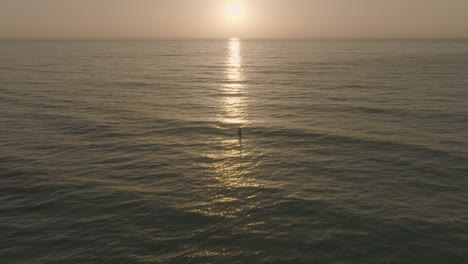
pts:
pixel 128 151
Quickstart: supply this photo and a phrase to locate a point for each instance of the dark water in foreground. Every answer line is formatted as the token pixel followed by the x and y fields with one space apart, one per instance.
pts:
pixel 128 152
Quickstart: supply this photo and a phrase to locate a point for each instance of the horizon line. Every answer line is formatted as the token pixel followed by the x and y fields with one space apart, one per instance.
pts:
pixel 228 38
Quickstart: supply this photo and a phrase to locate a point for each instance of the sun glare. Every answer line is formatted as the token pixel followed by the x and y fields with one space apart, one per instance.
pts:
pixel 234 11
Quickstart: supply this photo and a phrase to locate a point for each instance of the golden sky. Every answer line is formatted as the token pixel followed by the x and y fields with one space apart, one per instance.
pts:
pixel 234 18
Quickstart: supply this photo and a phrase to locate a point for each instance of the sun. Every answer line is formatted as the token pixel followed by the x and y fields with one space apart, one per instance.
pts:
pixel 234 11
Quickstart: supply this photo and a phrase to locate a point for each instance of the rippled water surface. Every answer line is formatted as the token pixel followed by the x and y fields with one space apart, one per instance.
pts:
pixel 129 151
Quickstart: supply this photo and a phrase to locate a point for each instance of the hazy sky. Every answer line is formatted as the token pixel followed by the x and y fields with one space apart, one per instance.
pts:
pixel 257 19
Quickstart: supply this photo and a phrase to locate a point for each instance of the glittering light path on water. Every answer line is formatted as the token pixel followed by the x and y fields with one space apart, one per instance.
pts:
pixel 234 88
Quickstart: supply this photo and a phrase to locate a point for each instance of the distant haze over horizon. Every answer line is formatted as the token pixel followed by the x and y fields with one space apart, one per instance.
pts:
pixel 255 19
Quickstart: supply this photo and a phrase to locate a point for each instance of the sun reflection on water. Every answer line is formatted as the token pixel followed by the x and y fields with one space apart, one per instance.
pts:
pixel 234 88
pixel 229 161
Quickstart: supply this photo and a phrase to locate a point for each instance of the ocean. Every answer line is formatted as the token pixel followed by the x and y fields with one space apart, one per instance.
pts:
pixel 234 151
